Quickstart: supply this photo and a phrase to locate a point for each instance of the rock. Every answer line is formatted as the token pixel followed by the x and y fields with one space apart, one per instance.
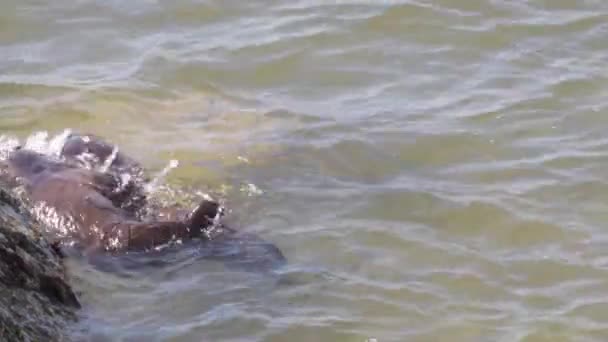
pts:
pixel 36 302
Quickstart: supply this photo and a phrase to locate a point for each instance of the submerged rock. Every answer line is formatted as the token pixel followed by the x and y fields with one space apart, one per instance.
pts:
pixel 36 302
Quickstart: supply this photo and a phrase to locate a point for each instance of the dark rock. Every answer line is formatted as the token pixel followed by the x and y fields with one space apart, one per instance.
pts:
pixel 36 302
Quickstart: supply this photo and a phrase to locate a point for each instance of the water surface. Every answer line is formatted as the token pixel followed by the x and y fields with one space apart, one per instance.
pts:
pixel 434 170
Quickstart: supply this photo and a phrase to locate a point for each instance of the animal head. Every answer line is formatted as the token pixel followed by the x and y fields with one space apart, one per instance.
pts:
pixel 78 147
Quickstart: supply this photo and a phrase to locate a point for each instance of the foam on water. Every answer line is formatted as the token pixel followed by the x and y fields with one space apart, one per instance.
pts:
pixel 40 142
pixel 441 158
pixel 7 144
pixel 251 190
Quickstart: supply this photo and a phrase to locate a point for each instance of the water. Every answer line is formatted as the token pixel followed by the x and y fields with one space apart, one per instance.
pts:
pixel 434 170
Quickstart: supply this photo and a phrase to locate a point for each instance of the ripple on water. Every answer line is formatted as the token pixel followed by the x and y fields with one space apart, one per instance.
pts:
pixel 433 170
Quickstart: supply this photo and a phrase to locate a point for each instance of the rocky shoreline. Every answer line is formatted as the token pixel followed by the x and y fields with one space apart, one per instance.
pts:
pixel 36 301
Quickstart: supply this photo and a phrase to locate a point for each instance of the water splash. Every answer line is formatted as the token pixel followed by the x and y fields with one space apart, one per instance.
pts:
pixel 251 190
pixel 108 162
pixel 55 145
pixel 156 181
pixel 87 160
pixel 7 145
pixel 40 142
pixel 53 223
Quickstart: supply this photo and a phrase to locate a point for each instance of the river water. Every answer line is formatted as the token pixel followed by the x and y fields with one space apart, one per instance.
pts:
pixel 433 170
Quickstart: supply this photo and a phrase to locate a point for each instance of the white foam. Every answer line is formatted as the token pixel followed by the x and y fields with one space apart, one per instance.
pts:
pixel 38 141
pixel 251 189
pixel 7 145
pixel 56 143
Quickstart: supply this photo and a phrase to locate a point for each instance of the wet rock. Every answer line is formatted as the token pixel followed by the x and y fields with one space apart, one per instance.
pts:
pixel 36 302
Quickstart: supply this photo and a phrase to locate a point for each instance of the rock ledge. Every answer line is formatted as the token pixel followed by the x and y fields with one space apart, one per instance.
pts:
pixel 36 302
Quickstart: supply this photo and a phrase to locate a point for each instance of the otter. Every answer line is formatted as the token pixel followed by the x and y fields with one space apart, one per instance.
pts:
pixel 91 150
pixel 100 219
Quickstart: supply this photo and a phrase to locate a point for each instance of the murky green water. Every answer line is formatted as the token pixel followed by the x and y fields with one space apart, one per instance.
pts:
pixel 434 170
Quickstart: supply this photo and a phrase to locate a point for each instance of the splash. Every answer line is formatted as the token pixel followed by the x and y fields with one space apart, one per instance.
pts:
pixel 154 184
pixel 59 226
pixel 108 162
pixel 87 160
pixel 243 159
pixel 56 143
pixel 7 145
pixel 41 143
pixel 251 189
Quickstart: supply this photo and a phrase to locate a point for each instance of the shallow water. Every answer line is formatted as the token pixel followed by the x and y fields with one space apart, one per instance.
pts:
pixel 434 170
